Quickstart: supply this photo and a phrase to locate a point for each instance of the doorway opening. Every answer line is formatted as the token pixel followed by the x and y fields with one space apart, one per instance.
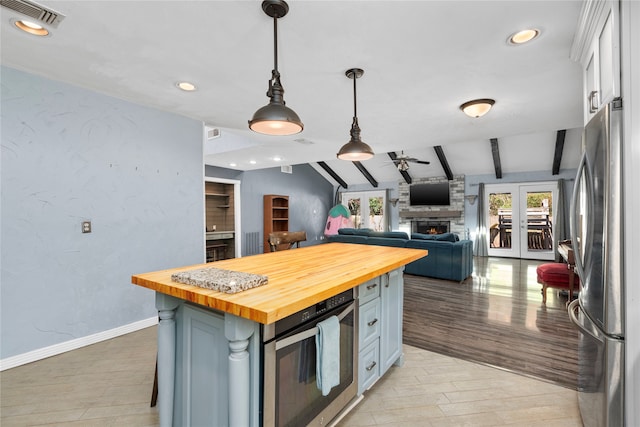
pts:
pixel 222 219
pixel 520 217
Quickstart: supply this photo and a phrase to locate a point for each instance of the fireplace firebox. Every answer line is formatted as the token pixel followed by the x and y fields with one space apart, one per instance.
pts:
pixel 430 227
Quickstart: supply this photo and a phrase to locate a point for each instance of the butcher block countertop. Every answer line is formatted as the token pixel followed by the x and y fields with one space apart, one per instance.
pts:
pixel 298 278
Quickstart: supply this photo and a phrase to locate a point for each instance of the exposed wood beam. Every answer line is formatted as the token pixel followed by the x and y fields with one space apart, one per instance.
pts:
pixel 495 151
pixel 443 161
pixel 366 174
pixel 333 174
pixel 405 174
pixel 557 156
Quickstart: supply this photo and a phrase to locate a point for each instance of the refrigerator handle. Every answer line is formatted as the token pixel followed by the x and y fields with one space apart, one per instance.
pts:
pixel 572 309
pixel 573 219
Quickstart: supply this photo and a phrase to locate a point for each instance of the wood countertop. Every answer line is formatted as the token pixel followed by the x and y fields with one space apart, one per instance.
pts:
pixel 298 278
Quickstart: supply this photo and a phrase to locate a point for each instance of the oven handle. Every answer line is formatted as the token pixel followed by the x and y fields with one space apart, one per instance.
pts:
pixel 286 342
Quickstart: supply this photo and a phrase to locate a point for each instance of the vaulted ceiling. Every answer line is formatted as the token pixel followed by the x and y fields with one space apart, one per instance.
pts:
pixel 422 59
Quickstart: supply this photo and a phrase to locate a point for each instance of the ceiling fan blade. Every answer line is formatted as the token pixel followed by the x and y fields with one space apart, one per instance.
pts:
pixel 422 162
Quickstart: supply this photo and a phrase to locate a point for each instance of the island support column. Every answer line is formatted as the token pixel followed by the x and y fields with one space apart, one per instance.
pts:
pixel 166 306
pixel 238 331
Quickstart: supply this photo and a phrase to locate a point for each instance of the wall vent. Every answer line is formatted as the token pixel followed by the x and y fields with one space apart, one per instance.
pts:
pixel 35 11
pixel 213 133
pixel 286 169
pixel 252 243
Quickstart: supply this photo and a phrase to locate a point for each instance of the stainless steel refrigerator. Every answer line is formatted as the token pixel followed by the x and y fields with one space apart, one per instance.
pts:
pixel 596 223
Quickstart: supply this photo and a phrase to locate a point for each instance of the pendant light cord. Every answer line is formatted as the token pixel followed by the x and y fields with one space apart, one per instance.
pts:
pixel 355 107
pixel 275 43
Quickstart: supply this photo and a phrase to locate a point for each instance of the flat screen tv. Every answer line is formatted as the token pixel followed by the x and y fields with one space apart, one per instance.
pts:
pixel 431 194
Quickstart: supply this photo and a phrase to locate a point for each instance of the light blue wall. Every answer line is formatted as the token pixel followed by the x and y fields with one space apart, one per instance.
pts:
pixel 310 198
pixel 69 155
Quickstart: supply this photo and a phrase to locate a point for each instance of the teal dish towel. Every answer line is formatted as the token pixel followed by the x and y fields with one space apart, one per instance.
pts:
pixel 328 354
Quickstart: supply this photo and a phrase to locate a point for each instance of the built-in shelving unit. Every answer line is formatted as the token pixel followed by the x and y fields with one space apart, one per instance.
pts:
pixel 276 216
pixel 220 227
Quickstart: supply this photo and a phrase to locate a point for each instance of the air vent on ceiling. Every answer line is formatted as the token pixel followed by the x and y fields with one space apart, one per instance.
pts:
pixel 286 169
pixel 213 133
pixel 35 11
pixel 303 141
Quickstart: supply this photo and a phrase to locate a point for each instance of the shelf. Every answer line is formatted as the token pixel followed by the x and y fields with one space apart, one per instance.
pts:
pixel 430 214
pixel 216 194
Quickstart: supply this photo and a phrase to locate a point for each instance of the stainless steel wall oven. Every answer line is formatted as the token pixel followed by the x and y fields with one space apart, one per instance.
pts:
pixel 290 395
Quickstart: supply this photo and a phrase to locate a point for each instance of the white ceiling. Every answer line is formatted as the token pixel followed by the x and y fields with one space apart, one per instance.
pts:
pixel 422 59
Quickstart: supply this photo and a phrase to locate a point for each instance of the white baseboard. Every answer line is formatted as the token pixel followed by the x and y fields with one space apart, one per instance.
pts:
pixel 43 353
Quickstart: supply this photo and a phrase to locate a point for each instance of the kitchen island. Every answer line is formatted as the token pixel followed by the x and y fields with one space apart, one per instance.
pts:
pixel 297 279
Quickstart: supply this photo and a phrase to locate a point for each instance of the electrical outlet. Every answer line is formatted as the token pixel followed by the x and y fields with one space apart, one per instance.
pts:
pixel 86 226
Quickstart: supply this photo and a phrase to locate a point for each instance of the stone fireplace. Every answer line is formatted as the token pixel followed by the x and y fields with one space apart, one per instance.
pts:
pixel 433 219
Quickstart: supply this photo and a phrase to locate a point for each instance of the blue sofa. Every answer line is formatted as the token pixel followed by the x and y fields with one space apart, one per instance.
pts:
pixel 449 258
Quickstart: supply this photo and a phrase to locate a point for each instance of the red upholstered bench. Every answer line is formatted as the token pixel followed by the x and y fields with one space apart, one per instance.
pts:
pixel 556 275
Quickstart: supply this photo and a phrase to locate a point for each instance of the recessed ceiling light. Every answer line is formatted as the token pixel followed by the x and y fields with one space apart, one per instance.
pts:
pixel 524 36
pixel 277 158
pixel 233 165
pixel 253 162
pixel 186 86
pixel 477 107
pixel 31 28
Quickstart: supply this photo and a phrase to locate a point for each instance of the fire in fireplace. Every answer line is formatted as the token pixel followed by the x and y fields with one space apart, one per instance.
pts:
pixel 430 227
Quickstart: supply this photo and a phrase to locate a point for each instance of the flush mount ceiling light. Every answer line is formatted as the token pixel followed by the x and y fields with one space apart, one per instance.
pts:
pixel 355 149
pixel 477 107
pixel 186 86
pixel 275 118
pixel 523 36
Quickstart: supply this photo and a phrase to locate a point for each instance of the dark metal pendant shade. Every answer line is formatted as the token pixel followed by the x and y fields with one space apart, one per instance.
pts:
pixel 275 118
pixel 355 149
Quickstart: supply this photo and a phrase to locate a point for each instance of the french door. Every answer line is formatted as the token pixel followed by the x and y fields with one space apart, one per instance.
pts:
pixel 367 208
pixel 520 218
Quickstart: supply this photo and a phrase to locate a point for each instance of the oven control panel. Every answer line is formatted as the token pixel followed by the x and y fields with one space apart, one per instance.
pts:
pixel 326 305
pixel 314 311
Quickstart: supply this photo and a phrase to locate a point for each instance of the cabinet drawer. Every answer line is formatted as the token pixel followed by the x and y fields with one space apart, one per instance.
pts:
pixel 368 366
pixel 369 322
pixel 369 290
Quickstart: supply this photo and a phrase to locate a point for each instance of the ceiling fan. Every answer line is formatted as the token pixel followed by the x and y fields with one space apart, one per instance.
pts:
pixel 402 161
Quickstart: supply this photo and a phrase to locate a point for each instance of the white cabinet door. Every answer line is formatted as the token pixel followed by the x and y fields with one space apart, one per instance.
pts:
pixel 602 59
pixel 591 87
pixel 609 57
pixel 392 293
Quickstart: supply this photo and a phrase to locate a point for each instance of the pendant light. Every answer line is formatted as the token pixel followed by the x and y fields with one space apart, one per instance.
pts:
pixel 355 149
pixel 275 118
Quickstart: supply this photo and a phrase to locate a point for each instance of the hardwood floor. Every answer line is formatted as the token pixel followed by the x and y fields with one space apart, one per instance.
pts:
pixel 496 317
pixel 109 383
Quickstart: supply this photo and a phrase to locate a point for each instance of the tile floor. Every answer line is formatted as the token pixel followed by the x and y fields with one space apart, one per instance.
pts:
pixel 109 384
pixel 436 390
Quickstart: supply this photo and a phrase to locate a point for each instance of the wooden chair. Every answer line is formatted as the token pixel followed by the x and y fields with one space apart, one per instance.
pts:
pixel 283 240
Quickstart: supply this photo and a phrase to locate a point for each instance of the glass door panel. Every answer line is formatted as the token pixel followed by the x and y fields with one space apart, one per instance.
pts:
pixel 353 204
pixel 376 213
pixel 503 242
pixel 536 228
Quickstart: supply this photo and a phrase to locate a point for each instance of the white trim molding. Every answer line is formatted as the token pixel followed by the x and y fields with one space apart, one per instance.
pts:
pixel 43 353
